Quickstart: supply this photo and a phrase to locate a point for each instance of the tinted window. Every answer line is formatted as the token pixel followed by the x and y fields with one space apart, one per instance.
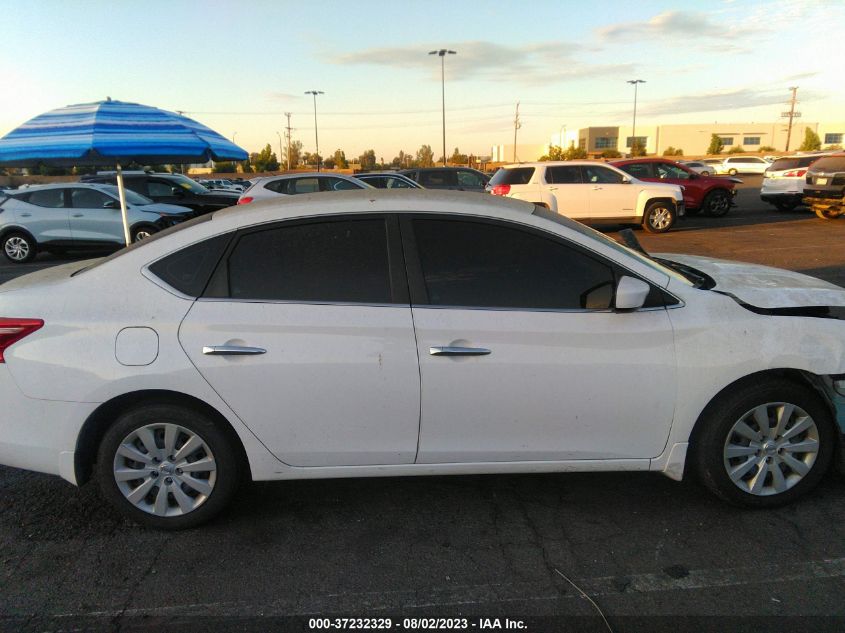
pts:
pixel 188 270
pixel 327 261
pixel 783 164
pixel 88 199
pixel 594 173
pixel 566 174
pixel 158 188
pixel 338 184
pixel 469 179
pixel 639 170
pixel 435 179
pixel 53 198
pixel 477 264
pixel 833 163
pixel 515 176
pixel 396 183
pixel 667 170
pixel 379 182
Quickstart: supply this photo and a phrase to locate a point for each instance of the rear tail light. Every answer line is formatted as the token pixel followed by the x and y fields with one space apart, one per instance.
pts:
pixel 501 190
pixel 13 330
pixel 245 200
pixel 795 173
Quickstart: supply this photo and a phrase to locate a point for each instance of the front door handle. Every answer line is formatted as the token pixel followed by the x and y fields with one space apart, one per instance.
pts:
pixel 79 215
pixel 450 350
pixel 596 187
pixel 231 350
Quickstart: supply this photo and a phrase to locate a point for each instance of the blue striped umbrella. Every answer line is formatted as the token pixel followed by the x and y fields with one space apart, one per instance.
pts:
pixel 110 133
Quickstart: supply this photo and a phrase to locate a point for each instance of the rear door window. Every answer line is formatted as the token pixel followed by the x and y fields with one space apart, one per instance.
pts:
pixel 438 179
pixel 51 198
pixel 88 199
pixel 470 179
pixel 666 171
pixel 327 261
pixel 639 170
pixel 598 174
pixel 564 175
pixel 338 184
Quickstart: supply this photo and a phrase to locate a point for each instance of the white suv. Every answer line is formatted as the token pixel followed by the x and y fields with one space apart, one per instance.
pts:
pixel 592 193
pixel 734 165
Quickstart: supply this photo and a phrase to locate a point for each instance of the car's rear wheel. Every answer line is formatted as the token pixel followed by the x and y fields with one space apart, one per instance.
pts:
pixel 659 217
pixel 19 248
pixel 717 203
pixel 167 466
pixel 705 173
pixel 732 171
pixel 765 445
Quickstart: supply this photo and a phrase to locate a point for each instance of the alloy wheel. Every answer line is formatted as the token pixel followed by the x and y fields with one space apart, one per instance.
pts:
pixel 16 248
pixel 771 448
pixel 660 218
pixel 165 469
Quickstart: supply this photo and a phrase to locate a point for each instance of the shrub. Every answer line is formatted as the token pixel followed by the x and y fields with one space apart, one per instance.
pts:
pixel 736 150
pixel 611 153
pixel 637 149
pixel 767 148
pixel 671 151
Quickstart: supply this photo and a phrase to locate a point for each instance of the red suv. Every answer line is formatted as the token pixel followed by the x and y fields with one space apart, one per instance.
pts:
pixel 712 194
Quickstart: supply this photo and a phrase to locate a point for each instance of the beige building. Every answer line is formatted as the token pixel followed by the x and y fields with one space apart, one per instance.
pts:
pixel 524 153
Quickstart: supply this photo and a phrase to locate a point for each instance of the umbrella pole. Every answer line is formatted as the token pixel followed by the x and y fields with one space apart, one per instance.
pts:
pixel 122 194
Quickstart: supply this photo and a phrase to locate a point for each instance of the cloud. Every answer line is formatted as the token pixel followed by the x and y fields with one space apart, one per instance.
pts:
pixel 281 96
pixel 716 101
pixel 674 24
pixel 533 64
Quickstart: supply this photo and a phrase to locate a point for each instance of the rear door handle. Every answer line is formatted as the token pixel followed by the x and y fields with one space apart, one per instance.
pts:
pixel 594 188
pixel 232 350
pixel 26 215
pixel 79 215
pixel 449 350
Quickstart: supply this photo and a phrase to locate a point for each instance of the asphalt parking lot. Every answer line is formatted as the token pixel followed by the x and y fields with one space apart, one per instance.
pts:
pixel 646 550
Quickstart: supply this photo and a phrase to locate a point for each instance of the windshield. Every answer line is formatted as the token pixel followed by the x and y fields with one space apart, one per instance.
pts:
pixel 604 239
pixel 132 197
pixel 187 183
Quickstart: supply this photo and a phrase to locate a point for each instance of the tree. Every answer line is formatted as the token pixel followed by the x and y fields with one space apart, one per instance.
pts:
pixel 295 154
pixel 637 149
pixel 457 158
pixel 574 153
pixel 811 141
pixel 265 160
pixel 340 159
pixel 425 157
pixel 368 159
pixel 225 168
pixel 329 163
pixel 555 153
pixel 716 145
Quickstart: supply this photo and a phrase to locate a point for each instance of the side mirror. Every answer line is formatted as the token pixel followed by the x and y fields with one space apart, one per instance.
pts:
pixel 631 293
pixel 626 180
pixel 111 204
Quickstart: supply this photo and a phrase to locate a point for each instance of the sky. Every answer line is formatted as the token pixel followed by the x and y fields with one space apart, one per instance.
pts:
pixel 239 66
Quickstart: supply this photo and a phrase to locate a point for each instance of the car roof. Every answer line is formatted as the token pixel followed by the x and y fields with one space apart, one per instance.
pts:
pixel 61 185
pixel 302 174
pixel 374 201
pixel 555 163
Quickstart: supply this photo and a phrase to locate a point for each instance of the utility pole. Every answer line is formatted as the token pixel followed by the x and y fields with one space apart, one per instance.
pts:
pixel 634 126
pixel 516 126
pixel 287 135
pixel 792 114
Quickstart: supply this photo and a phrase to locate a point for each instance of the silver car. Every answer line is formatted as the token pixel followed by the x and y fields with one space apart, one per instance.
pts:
pixel 61 217
pixel 293 184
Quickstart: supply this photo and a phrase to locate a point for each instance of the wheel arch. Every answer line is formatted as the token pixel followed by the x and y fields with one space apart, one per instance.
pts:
pixel 17 229
pixel 797 376
pixel 649 199
pixel 103 417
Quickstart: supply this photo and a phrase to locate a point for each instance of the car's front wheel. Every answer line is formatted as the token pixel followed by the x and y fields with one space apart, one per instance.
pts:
pixel 659 217
pixel 765 445
pixel 19 248
pixel 167 466
pixel 717 203
pixel 143 232
pixel 732 172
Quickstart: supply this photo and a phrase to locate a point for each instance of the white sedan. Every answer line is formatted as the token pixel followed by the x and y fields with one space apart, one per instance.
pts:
pixel 386 333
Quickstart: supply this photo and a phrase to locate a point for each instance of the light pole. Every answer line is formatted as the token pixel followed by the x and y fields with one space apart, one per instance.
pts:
pixel 442 54
pixel 280 147
pixel 634 126
pixel 562 135
pixel 314 93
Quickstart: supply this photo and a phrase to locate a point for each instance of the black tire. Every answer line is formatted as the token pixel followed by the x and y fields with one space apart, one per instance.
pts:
pixel 732 172
pixel 715 431
pixel 227 471
pixel 717 203
pixel 786 205
pixel 705 173
pixel 142 232
pixel 654 218
pixel 19 247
